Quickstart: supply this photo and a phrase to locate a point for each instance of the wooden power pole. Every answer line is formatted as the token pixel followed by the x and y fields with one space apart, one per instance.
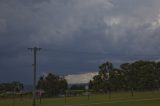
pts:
pixel 35 49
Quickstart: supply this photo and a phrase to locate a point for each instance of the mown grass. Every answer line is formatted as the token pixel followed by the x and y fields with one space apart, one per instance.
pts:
pixel 115 99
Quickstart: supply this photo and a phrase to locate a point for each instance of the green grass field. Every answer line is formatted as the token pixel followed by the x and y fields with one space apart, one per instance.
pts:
pixel 116 99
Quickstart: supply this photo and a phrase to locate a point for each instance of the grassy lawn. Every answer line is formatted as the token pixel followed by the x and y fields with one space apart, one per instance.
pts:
pixel 116 99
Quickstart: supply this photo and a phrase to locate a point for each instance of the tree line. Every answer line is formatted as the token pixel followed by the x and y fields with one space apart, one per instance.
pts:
pixel 13 86
pixel 136 76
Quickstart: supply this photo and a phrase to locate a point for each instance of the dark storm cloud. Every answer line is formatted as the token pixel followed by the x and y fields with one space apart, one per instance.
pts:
pixel 76 35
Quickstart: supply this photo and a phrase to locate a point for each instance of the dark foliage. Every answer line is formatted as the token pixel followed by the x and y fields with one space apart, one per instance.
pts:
pixel 10 87
pixel 52 84
pixel 137 76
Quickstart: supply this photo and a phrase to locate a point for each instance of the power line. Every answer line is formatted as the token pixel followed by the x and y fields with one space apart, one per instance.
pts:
pixel 35 49
pixel 99 53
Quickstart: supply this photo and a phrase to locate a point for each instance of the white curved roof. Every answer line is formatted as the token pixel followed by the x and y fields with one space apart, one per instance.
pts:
pixel 80 78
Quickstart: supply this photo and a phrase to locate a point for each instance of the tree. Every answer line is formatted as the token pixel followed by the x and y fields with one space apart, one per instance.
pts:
pixel 101 81
pixel 105 68
pixel 96 83
pixel 52 84
pixel 17 86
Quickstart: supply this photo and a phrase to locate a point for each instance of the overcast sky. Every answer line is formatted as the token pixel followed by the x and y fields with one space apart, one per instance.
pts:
pixel 76 36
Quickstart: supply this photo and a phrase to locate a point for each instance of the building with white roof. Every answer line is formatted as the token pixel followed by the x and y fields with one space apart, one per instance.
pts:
pixel 80 78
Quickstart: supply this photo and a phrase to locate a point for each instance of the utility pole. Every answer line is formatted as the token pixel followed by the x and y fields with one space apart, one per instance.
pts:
pixel 35 49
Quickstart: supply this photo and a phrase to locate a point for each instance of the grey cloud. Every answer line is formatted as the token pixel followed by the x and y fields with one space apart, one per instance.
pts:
pixel 87 26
